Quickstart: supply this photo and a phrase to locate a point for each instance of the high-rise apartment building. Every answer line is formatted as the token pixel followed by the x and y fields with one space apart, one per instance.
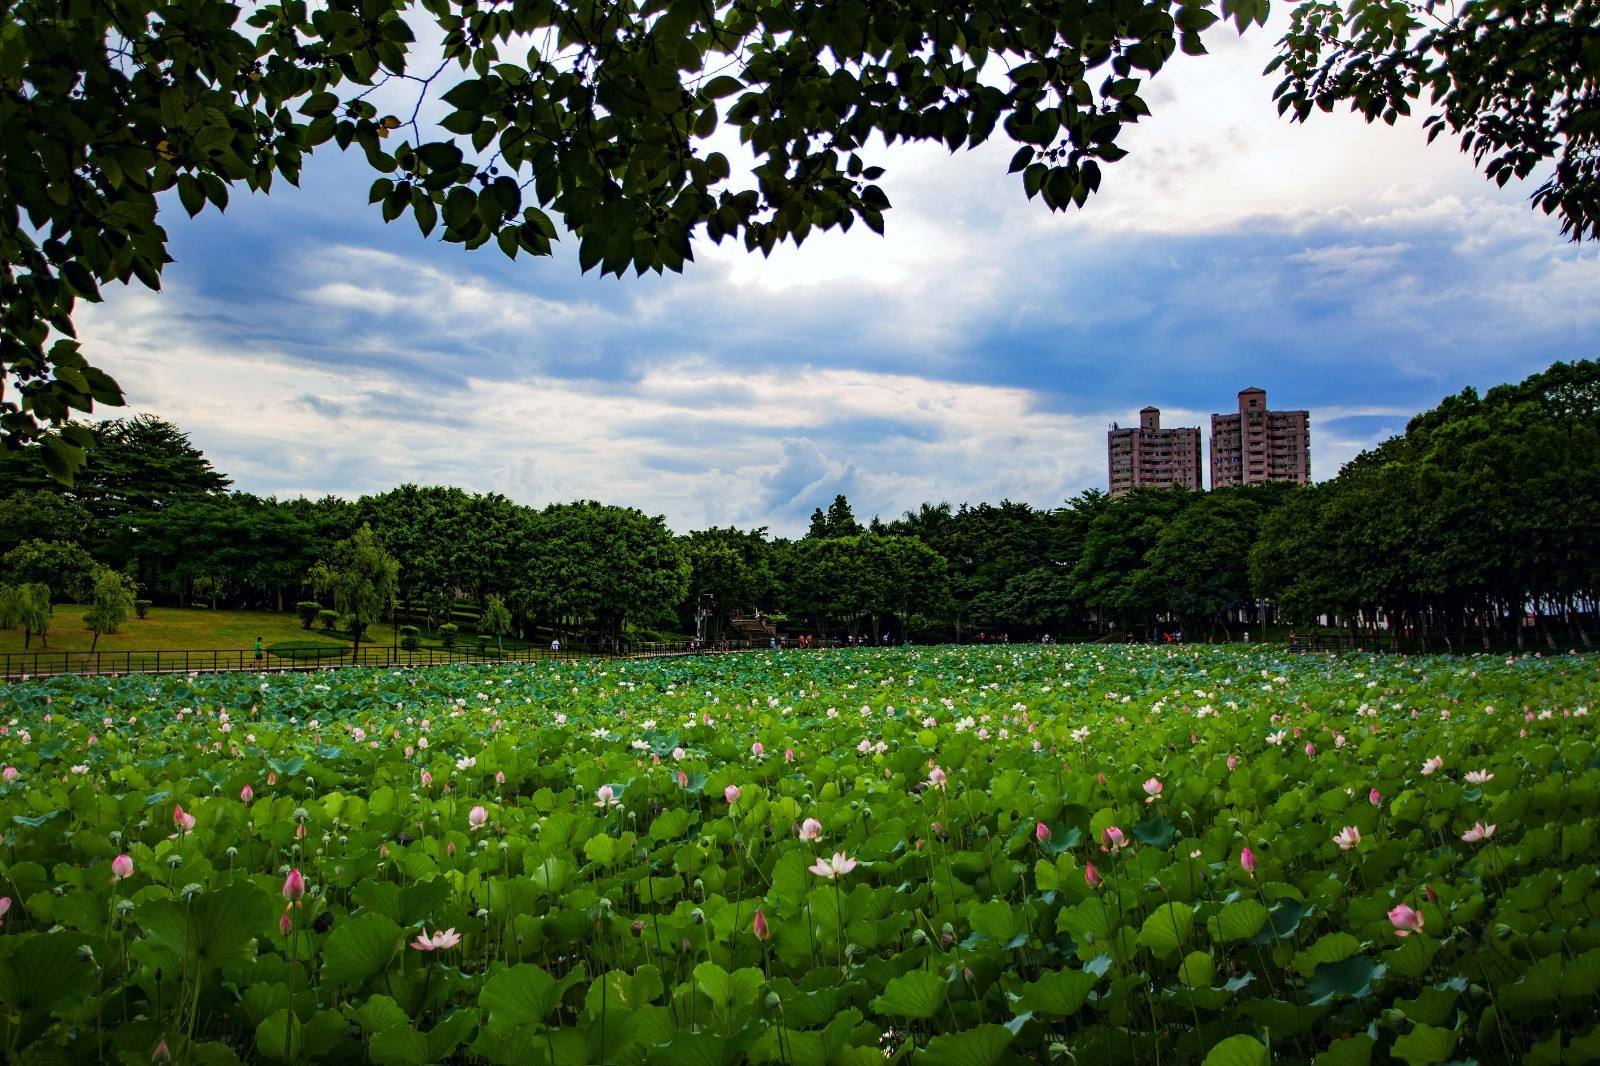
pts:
pixel 1151 457
pixel 1259 445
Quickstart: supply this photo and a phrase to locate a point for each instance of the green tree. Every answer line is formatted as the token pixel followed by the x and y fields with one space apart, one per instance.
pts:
pixel 110 602
pixel 360 577
pixel 27 605
pixel 66 568
pixel 1513 80
pixel 496 620
pixel 733 567
pixel 548 112
pixel 41 514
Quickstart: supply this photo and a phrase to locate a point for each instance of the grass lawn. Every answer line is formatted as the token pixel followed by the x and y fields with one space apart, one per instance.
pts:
pixel 195 628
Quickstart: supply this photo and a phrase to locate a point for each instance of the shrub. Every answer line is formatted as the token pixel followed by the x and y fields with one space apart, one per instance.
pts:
pixel 309 611
pixel 409 638
pixel 328 619
pixel 483 643
pixel 447 634
pixel 141 608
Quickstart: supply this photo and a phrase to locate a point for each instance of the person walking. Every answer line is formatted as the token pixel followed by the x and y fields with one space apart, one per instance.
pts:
pixel 259 653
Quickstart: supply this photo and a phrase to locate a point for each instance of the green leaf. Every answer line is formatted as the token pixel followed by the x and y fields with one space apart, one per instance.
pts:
pixel 359 948
pixel 720 86
pixel 1239 920
pixel 1425 1044
pixel 522 994
pixel 43 971
pixel 1167 928
pixel 1058 995
pixel 213 928
pixel 1353 977
pixel 918 994
pixel 1355 1050
pixel 1239 1050
pixel 984 1046
pixel 1334 947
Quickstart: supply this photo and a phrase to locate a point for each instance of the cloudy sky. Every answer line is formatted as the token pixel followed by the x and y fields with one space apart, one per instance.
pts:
pixel 978 352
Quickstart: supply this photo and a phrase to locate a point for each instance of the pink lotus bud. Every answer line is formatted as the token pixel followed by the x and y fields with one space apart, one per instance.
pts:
pixel 1375 798
pixel 757 749
pixel 246 794
pixel 683 779
pixel 499 777
pixel 477 817
pixel 1311 749
pixel 1247 861
pixel 1091 875
pixel 1433 897
pixel 272 777
pixel 1041 832
pixel 427 779
pixel 759 926
pixel 1232 762
pixel 294 886
pixel 1405 920
pixel 788 755
pixel 450 848
pixel 161 1053
pixel 122 866
pixel 300 831
pixel 10 774
pixel 1113 838
pixel 285 923
pixel 731 794
pixel 182 819
pixel 810 829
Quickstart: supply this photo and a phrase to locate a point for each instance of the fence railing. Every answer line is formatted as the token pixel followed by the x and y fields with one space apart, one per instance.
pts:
pixel 46 663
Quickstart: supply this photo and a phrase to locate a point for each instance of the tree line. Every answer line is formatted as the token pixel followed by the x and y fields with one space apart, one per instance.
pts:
pixel 1478 523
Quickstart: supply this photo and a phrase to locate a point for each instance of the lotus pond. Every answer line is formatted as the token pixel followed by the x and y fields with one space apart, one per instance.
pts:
pixel 945 856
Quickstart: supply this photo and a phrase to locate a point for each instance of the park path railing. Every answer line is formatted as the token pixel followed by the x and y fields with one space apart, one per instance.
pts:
pixel 46 663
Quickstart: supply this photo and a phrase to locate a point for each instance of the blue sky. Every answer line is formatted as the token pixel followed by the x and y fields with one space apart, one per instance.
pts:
pixel 978 352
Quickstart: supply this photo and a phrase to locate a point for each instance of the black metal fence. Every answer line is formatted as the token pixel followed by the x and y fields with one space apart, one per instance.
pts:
pixel 45 663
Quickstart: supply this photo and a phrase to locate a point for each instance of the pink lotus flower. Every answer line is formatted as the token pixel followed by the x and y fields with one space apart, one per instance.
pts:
pixel 427 779
pixel 731 794
pixel 285 923
pixel 1113 838
pixel 1478 777
pixel 122 866
pixel 246 794
pixel 1233 763
pixel 5 905
pixel 936 778
pixel 477 817
pixel 441 940
pixel 1347 838
pixel 810 829
pixel 1375 798
pixel 1092 876
pixel 757 750
pixel 1152 790
pixel 1478 833
pixel 1405 920
pixel 1247 861
pixel 1041 832
pixel 294 886
pixel 606 796
pixel 1311 749
pixel 499 777
pixel 759 926
pixel 9 773
pixel 834 868
pixel 1432 766
pixel 788 755
pixel 182 819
